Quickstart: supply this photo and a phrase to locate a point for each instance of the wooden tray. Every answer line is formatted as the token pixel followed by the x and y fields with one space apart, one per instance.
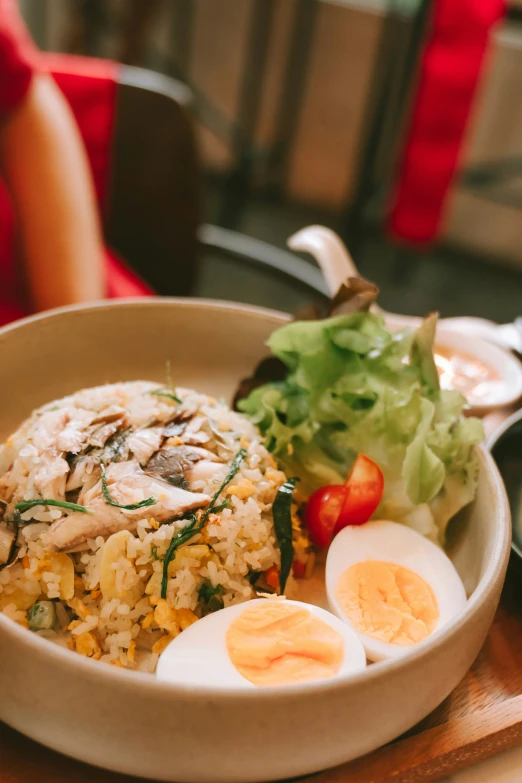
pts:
pixel 482 717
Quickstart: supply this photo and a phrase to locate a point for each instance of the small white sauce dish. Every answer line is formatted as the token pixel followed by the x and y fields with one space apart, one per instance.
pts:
pixel 504 390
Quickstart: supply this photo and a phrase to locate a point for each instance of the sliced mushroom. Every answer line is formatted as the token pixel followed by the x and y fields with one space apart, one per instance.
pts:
pixel 173 463
pixel 116 449
pixel 101 435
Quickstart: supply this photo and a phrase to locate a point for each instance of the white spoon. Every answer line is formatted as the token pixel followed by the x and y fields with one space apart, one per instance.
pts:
pixel 336 264
pixel 329 251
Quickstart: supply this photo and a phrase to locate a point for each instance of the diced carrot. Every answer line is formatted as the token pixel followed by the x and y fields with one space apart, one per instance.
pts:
pixel 272 577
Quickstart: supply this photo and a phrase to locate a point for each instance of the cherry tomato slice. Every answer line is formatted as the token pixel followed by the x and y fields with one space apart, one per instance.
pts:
pixel 322 512
pixel 365 486
pixel 331 508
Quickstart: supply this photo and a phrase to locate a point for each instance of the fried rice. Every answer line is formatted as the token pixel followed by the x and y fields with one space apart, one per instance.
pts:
pixel 127 466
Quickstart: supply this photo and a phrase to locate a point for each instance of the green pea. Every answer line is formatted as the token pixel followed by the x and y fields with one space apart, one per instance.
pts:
pixel 41 616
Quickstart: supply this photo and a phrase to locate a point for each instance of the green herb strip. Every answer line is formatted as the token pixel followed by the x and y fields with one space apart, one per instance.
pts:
pixel 129 507
pixel 193 527
pixel 25 505
pixel 215 604
pixel 207 591
pixel 221 507
pixel 234 470
pixel 282 515
pixel 183 535
pixel 164 393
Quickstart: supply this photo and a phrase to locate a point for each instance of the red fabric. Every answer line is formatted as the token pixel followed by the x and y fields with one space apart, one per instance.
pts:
pixel 16 58
pixel 450 69
pixel 17 64
pixel 123 282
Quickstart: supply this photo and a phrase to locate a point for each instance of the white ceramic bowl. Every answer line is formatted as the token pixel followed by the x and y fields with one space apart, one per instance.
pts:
pixel 132 723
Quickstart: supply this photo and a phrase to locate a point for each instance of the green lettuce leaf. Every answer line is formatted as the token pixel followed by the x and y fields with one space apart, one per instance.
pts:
pixel 422 471
pixel 421 355
pixel 353 386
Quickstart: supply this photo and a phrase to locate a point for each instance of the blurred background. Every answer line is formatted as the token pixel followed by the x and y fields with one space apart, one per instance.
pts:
pixel 299 111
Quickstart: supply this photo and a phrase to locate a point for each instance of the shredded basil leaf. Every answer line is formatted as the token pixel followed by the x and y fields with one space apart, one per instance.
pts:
pixel 154 553
pixel 130 506
pixel 193 527
pixel 211 596
pixel 215 604
pixel 234 469
pixel 181 537
pixel 282 515
pixel 206 591
pixel 24 505
pixel 221 506
pixel 165 393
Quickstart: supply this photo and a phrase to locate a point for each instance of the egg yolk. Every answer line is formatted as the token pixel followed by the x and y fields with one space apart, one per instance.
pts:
pixel 275 643
pixel 388 602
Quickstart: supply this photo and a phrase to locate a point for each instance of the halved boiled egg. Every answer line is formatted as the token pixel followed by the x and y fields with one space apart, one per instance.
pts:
pixel 392 586
pixel 264 642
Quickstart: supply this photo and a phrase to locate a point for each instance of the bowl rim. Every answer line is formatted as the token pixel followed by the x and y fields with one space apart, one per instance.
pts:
pixel 143 301
pixel 490 444
pixel 147 684
pixel 500 431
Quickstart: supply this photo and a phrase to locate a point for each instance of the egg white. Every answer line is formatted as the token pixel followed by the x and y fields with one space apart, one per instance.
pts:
pixel 394 543
pixel 199 656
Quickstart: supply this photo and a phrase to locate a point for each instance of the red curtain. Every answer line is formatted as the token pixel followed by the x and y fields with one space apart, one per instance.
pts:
pixel 451 64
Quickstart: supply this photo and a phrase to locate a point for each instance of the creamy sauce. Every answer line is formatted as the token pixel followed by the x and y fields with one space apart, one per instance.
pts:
pixel 467 374
pixel 277 643
pixel 388 602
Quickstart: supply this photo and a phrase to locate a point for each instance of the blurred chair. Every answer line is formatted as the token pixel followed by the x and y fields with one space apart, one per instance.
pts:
pixel 141 144
pixel 141 147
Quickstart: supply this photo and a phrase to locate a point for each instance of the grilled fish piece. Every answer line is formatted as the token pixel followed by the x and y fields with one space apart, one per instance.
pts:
pixel 127 484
